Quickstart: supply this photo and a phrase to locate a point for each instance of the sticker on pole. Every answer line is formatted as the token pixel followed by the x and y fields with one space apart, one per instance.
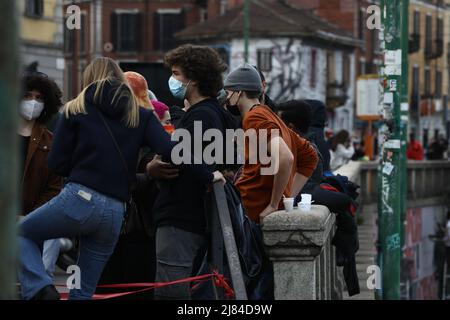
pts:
pixel 393 85
pixel 393 57
pixel 393 70
pixel 392 144
pixel 388 168
pixel 389 98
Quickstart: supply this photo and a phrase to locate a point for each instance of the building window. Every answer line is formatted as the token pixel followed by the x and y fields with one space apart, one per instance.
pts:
pixel 68 40
pixel 415 98
pixel 414 41
pixel 203 15
pixel 416 27
pixel 346 71
pixel 438 89
pixel 439 50
pixel 440 28
pixel 126 30
pixel 34 8
pixel 427 82
pixel 223 7
pixel 167 23
pixel 264 60
pixel 362 24
pixel 313 78
pixel 416 81
pixel 83 33
pixel 331 68
pixel 429 36
pixel 69 92
pixel 362 66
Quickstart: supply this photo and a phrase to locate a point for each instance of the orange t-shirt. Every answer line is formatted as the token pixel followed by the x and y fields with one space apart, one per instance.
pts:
pixel 256 189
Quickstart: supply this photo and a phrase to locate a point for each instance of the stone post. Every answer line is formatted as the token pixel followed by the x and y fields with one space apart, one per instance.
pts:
pixel 299 244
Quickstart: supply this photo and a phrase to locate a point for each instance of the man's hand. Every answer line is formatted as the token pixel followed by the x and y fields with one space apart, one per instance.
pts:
pixel 267 211
pixel 158 169
pixel 218 176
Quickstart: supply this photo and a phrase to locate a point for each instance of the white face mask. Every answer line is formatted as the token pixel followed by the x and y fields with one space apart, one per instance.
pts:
pixel 31 109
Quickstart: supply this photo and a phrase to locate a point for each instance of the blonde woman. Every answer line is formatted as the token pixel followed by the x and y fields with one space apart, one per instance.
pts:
pixel 96 145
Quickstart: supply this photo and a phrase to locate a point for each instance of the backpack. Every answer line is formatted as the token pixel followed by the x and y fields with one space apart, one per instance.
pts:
pixel 256 267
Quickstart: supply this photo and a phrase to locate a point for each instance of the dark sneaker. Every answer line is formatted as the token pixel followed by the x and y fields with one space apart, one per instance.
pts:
pixel 47 293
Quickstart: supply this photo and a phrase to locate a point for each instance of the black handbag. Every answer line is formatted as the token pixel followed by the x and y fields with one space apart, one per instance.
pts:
pixel 133 222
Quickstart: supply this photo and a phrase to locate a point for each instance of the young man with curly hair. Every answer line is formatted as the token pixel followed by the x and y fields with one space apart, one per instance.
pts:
pixel 179 212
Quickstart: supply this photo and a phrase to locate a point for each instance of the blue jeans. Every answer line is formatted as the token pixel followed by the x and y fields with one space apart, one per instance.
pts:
pixel 77 211
pixel 50 254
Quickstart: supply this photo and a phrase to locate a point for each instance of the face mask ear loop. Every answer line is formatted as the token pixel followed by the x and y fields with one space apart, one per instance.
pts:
pixel 239 98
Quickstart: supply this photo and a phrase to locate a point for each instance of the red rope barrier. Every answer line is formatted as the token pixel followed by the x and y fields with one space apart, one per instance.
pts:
pixel 219 281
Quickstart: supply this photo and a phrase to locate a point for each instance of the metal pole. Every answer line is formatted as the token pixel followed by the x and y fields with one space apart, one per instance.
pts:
pixel 9 101
pixel 230 243
pixel 404 116
pixel 246 28
pixel 391 163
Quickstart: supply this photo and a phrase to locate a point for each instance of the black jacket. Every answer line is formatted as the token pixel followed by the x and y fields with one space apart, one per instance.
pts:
pixel 180 202
pixel 317 176
pixel 84 152
pixel 176 114
pixel 318 123
pixel 346 237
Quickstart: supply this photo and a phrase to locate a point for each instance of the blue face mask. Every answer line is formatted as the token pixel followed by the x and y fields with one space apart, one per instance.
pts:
pixel 177 88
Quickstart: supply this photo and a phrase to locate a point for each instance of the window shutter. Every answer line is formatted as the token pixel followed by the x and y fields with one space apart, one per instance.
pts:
pixel 40 11
pixel 428 37
pixel 139 41
pixel 157 31
pixel 115 30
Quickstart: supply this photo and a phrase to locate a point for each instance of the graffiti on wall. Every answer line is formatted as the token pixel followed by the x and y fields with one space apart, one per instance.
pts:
pixel 286 77
pixel 420 253
pixel 290 68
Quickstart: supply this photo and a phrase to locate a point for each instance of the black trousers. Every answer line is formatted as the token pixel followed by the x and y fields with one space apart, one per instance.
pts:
pixel 177 251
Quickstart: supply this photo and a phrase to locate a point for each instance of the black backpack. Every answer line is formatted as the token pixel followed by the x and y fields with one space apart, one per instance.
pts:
pixel 256 267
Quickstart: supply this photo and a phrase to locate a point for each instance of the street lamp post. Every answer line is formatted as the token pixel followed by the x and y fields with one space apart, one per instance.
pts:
pixel 246 28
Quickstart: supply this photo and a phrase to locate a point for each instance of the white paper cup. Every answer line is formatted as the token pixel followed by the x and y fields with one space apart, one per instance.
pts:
pixel 304 206
pixel 306 198
pixel 288 204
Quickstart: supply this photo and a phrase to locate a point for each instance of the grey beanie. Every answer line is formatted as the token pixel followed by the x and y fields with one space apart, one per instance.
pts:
pixel 244 78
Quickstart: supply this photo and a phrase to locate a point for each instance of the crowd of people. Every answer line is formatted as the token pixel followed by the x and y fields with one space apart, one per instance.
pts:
pixel 436 150
pixel 110 159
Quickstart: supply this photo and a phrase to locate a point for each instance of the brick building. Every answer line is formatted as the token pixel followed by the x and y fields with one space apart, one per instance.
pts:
pixel 132 32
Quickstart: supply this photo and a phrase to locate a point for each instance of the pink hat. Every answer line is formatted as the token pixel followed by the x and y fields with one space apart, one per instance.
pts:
pixel 160 108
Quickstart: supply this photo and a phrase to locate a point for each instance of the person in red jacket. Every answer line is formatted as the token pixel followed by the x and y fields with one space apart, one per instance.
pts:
pixel 415 149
